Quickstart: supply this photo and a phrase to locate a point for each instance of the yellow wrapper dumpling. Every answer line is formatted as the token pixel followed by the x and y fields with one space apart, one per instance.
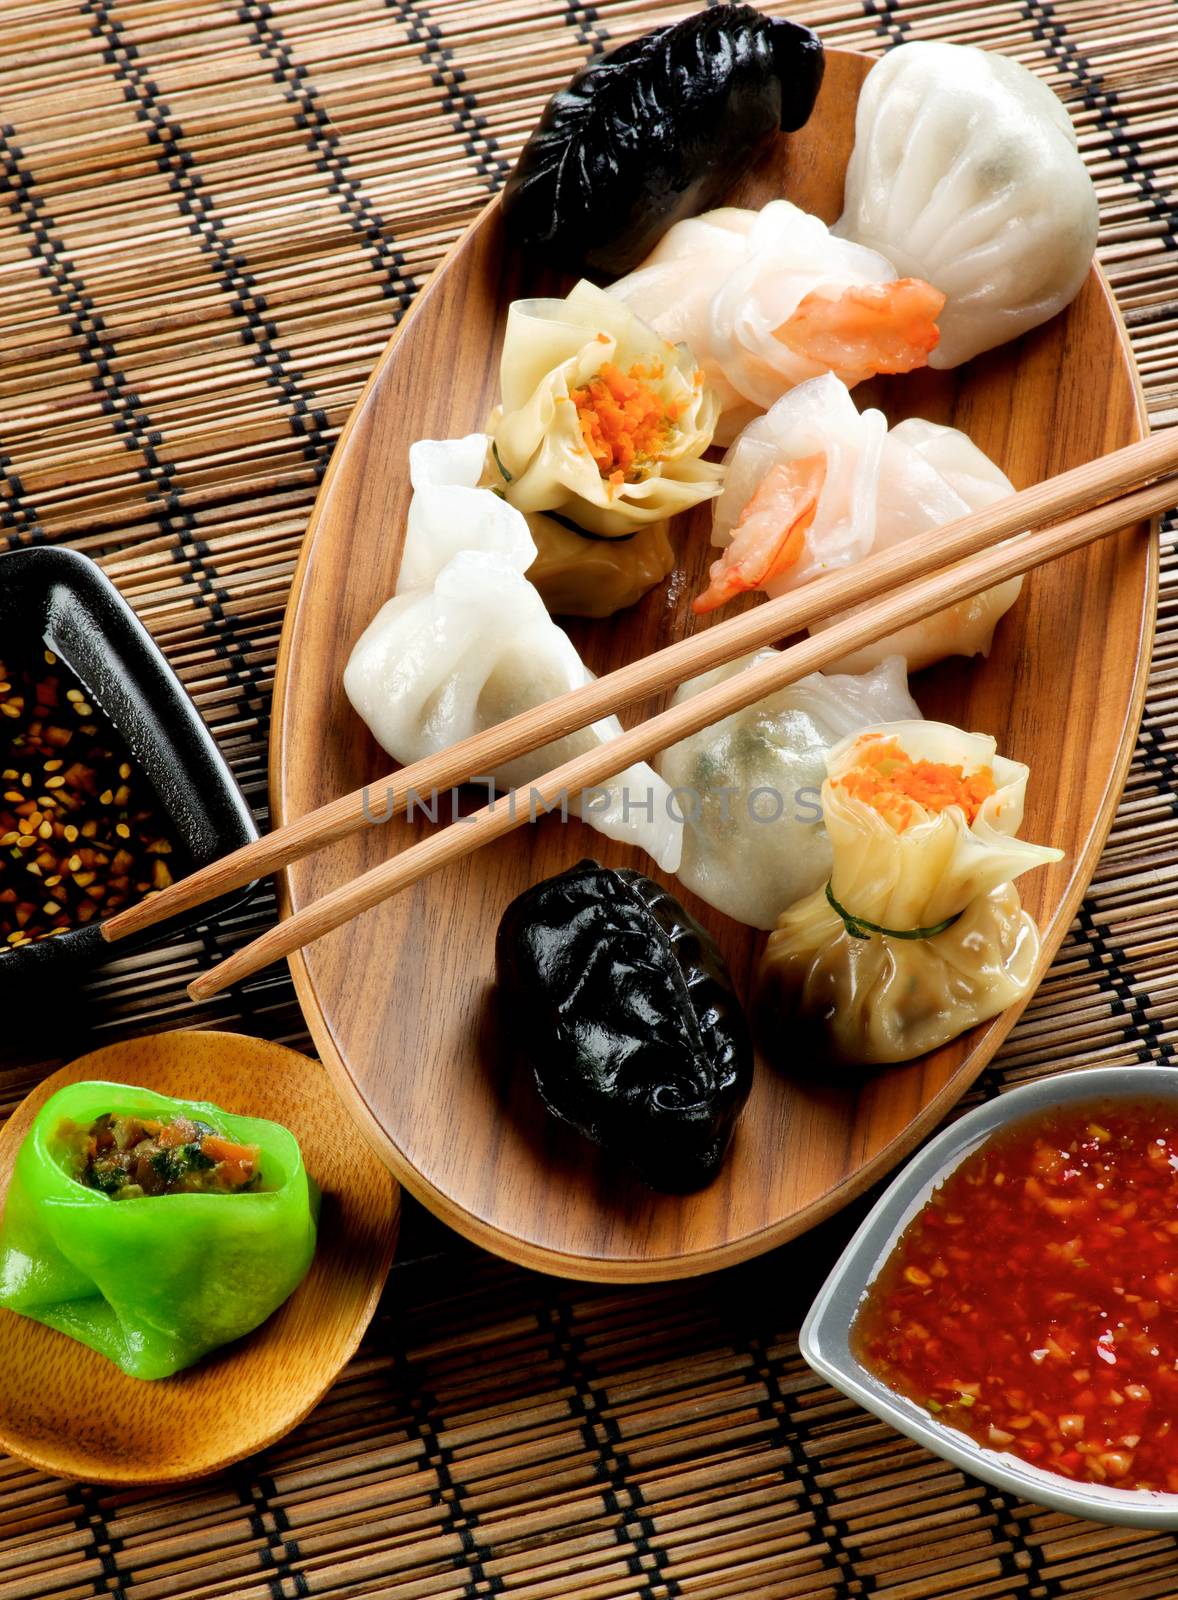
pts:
pixel 579 576
pixel 919 933
pixel 602 421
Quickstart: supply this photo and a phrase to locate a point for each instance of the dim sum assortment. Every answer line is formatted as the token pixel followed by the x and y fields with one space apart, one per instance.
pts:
pixel 620 1003
pixel 153 1230
pixel 466 642
pixel 766 299
pixel 754 841
pixel 965 172
pixel 655 130
pixel 815 485
pixel 918 934
pixel 877 850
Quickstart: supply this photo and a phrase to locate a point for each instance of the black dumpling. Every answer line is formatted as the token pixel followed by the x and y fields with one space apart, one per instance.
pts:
pixel 656 130
pixel 621 1004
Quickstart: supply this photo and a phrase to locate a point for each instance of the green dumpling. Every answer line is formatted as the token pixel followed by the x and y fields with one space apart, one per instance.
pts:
pixel 152 1229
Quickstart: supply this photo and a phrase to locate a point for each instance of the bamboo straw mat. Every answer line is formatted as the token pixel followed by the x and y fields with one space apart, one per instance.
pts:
pixel 211 217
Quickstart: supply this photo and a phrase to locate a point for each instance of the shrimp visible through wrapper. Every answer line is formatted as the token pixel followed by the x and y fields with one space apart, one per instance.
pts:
pixel 874 327
pixel 770 535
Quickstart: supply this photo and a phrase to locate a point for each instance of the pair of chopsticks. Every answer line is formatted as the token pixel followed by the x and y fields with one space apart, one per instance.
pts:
pixel 915 579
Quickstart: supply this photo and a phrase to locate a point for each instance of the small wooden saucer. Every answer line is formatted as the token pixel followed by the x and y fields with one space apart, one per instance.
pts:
pixel 67 1410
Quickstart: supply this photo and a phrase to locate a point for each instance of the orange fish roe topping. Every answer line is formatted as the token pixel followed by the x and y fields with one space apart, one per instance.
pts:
pixel 624 423
pixel 895 785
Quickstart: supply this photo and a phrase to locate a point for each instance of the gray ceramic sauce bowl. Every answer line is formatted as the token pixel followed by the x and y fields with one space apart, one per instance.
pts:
pixel 825 1336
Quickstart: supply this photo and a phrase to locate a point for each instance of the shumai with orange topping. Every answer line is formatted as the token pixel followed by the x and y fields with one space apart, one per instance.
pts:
pixel 603 423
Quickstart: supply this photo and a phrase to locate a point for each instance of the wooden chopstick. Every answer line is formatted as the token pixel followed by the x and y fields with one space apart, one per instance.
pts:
pixel 911 604
pixel 1060 496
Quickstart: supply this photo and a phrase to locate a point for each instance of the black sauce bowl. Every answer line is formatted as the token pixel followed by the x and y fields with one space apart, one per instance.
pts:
pixel 59 596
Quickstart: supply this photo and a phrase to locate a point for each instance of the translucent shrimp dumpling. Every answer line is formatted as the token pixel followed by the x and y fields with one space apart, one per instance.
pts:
pixel 767 299
pixel 815 485
pixel 965 173
pixel 749 785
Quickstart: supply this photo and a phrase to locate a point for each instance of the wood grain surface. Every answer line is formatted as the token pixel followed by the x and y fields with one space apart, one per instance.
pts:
pixel 70 1411
pixel 401 1002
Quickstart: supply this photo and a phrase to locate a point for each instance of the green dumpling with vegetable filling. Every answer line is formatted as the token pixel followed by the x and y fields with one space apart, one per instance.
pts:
pixel 153 1229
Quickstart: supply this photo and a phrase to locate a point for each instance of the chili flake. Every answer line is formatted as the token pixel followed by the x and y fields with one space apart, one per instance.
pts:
pixel 81 834
pixel 1033 1302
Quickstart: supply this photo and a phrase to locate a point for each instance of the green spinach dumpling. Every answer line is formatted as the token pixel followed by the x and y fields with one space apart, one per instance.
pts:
pixel 152 1229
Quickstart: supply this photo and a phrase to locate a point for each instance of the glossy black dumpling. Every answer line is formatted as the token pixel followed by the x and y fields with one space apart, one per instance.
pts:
pixel 656 130
pixel 622 1006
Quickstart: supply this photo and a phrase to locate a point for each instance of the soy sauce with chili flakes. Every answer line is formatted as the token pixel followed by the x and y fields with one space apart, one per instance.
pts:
pixel 1033 1302
pixel 81 834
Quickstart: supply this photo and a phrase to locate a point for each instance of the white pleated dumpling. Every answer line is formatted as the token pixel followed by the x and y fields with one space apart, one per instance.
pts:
pixel 815 485
pixel 466 642
pixel 767 299
pixel 966 172
pixel 749 785
pixel 448 513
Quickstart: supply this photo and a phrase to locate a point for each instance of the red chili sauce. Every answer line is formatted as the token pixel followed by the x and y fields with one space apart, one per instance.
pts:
pixel 1033 1302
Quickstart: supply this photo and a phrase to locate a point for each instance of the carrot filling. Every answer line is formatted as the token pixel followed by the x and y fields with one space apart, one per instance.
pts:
pixel 624 422
pixel 129 1157
pixel 1033 1302
pixel 770 534
pixel 873 327
pixel 902 790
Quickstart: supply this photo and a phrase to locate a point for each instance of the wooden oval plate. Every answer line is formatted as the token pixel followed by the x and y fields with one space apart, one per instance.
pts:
pixel 399 1002
pixel 68 1410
